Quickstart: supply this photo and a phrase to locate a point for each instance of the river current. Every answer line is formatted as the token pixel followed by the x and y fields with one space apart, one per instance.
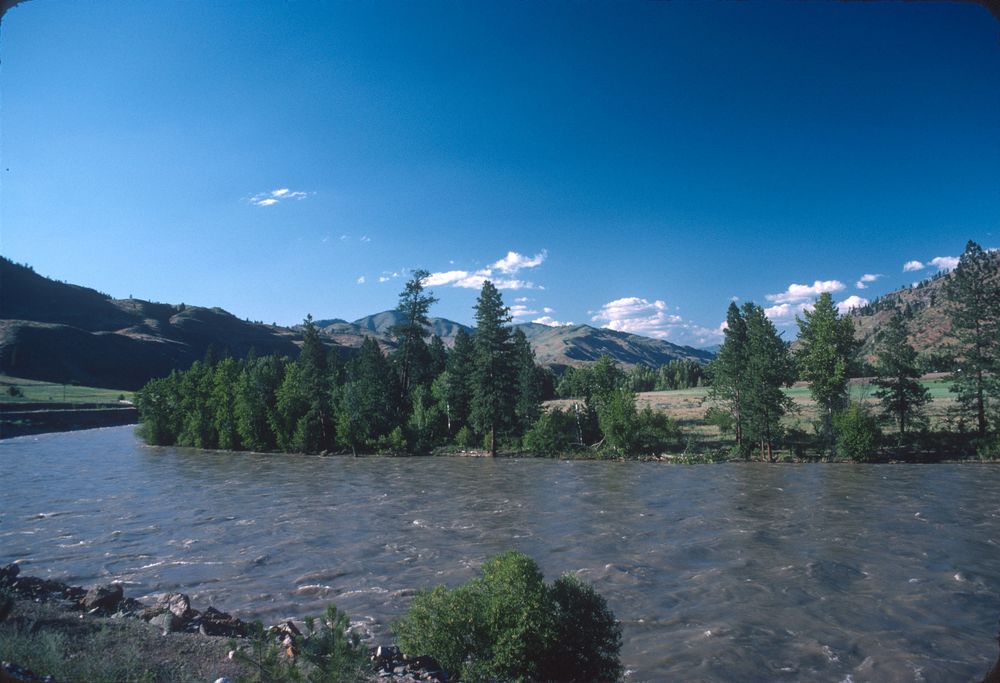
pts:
pixel 738 572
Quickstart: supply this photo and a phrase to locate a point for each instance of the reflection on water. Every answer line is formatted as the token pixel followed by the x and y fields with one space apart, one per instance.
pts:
pixel 718 573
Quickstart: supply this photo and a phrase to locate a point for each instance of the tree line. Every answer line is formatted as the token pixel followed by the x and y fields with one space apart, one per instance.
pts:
pixel 487 389
pixel 754 364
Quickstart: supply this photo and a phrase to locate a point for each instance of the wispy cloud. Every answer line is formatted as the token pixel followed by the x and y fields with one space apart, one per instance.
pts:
pixel 276 196
pixel 911 266
pixel 361 280
pixel 508 265
pixel 797 293
pixel 521 311
pixel 862 283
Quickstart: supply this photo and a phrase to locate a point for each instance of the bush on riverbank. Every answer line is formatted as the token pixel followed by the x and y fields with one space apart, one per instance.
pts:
pixel 508 625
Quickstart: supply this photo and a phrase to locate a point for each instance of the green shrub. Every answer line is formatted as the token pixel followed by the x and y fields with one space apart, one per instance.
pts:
pixel 629 432
pixel 335 653
pixel 14 391
pixel 508 625
pixel 465 438
pixel 856 432
pixel 393 443
pixel 553 433
pixel 721 419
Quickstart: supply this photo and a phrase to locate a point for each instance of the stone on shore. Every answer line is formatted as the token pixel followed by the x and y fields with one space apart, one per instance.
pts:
pixel 103 597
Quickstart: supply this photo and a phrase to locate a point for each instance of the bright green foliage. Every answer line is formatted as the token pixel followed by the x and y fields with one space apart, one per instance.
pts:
pixel 629 432
pixel 553 433
pixel 826 348
pixel 508 625
pixel 729 373
pixel 159 406
pixel 857 433
pixel 223 402
pixel 973 294
pixel 679 374
pixel 256 400
pixel 897 376
pixel 494 380
pixel 197 426
pixel 368 399
pixel 427 425
pixel 412 356
pixel 593 383
pixel 769 368
pixel 335 653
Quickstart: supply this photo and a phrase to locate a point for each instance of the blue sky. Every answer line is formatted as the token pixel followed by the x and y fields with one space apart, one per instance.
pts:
pixel 629 165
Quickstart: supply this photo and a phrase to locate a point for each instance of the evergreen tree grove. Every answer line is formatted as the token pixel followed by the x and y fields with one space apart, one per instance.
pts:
pixel 897 377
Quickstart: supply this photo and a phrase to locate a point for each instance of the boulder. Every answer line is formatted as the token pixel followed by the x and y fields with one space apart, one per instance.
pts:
pixel 9 573
pixel 103 597
pixel 167 621
pixel 216 623
pixel 178 603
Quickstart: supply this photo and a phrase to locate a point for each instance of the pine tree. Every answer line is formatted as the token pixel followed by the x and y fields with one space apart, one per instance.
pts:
pixel 528 405
pixel 728 372
pixel 368 399
pixel 494 376
pixel 412 354
pixel 900 392
pixel 973 295
pixel 769 368
pixel 459 382
pixel 826 349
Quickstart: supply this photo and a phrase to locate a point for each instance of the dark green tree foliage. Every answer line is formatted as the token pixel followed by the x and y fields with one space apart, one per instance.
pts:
pixel 457 387
pixel 368 399
pixel 197 427
pixel 630 432
pixel 826 348
pixel 528 403
pixel 679 374
pixel 412 356
pixel 973 295
pixel 898 377
pixel 494 387
pixel 438 357
pixel 553 433
pixel 223 402
pixel 508 625
pixel 729 373
pixel 256 402
pixel 159 406
pixel 769 368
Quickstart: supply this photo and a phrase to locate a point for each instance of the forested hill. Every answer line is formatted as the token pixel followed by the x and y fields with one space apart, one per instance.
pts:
pixel 925 310
pixel 58 332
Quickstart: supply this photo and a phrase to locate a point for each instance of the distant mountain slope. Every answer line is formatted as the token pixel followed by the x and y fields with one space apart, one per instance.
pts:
pixel 581 344
pixel 64 333
pixel 925 308
pixel 381 323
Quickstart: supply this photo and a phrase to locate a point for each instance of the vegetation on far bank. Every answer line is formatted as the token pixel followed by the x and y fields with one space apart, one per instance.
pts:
pixel 19 390
pixel 487 392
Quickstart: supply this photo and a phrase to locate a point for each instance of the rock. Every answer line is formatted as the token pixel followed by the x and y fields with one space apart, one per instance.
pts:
pixel 178 603
pixel 216 623
pixel 9 573
pixel 167 621
pixel 223 679
pixel 103 597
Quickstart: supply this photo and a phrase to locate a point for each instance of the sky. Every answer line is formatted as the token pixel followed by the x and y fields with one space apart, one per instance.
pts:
pixel 629 165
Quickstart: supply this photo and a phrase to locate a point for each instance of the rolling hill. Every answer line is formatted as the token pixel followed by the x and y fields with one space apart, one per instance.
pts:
pixel 59 332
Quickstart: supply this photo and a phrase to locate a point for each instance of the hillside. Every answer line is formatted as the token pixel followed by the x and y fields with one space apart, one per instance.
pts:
pixel 58 332
pixel 925 308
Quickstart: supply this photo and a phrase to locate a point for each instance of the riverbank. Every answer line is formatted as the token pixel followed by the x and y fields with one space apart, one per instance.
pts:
pixel 51 631
pixel 25 419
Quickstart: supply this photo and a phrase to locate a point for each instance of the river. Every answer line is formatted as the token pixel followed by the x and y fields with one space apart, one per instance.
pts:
pixel 737 572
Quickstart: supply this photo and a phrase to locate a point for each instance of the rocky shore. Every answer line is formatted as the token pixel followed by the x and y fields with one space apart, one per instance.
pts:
pixel 166 640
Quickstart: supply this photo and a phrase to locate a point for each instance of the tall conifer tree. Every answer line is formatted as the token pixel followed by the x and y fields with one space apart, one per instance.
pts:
pixel 897 377
pixel 494 378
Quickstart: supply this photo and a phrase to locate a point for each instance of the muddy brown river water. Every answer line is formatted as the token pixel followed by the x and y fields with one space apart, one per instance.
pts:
pixel 739 572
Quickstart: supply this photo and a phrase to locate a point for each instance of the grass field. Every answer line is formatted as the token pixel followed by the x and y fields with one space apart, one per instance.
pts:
pixel 34 391
pixel 688 406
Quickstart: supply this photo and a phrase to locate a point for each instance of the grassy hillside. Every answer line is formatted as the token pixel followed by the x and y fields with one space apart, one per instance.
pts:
pixel 33 391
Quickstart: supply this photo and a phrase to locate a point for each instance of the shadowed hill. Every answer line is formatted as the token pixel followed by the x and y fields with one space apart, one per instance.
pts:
pixel 58 332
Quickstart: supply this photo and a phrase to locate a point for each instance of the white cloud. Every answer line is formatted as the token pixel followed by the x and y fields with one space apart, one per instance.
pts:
pixel 548 310
pixel 865 279
pixel 521 311
pixel 786 312
pixel 551 322
pixel 361 280
pixel 366 238
pixel 796 293
pixel 637 316
pixel 383 278
pixel 911 266
pixel 853 301
pixel 508 265
pixel 521 300
pixel 275 196
pixel 513 262
pixel 945 262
